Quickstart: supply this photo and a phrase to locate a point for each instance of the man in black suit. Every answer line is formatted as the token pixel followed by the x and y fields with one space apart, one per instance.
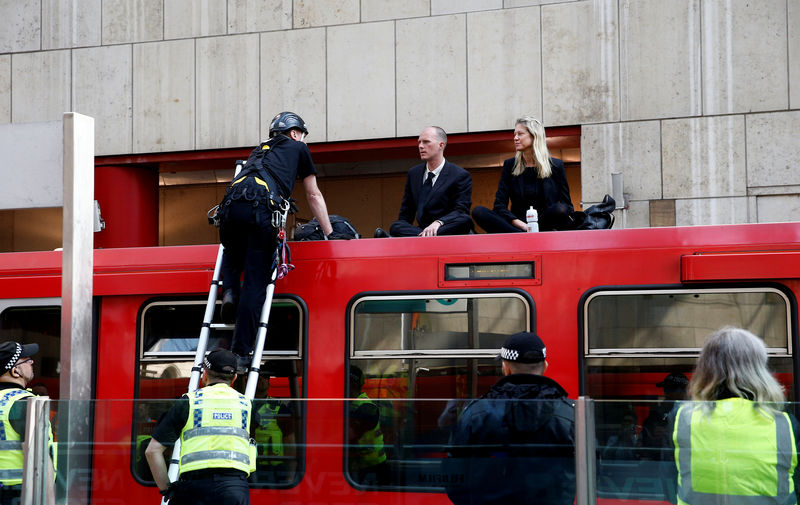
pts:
pixel 438 193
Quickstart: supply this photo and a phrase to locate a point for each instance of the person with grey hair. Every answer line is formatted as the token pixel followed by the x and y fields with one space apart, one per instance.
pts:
pixel 733 443
pixel 438 194
pixel 530 179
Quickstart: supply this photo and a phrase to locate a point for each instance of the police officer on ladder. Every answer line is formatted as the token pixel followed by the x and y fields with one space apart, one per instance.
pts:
pixel 213 424
pixel 16 366
pixel 246 228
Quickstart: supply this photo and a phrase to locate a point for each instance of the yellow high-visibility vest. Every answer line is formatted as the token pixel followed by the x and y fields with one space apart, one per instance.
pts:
pixel 737 454
pixel 217 431
pixel 11 456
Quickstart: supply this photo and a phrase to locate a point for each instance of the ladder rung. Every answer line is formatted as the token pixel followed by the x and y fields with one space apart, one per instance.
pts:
pixel 222 326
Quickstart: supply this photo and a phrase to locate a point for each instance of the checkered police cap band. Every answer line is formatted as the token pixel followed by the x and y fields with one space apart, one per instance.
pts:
pixel 206 363
pixel 14 357
pixel 509 354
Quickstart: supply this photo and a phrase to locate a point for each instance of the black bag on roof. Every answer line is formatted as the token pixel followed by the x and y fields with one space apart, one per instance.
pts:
pixel 342 229
pixel 596 217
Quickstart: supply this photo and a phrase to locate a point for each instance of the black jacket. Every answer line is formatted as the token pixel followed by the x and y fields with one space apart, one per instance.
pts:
pixel 515 445
pixel 528 190
pixel 449 200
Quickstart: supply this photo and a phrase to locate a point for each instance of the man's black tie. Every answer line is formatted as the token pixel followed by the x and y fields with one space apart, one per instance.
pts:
pixel 424 193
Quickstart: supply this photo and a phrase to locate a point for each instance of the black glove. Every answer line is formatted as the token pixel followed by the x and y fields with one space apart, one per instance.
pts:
pixel 335 235
pixel 171 491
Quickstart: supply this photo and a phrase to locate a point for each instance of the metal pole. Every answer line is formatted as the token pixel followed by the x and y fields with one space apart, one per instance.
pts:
pixel 36 474
pixel 77 264
pixel 585 469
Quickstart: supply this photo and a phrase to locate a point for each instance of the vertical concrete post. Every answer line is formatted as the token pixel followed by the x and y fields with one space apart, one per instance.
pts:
pixel 77 357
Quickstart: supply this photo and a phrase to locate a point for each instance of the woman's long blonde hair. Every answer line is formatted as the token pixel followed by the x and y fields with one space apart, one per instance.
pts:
pixel 734 361
pixel 541 155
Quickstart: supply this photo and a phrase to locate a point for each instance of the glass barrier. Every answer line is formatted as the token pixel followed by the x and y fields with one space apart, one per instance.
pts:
pixel 434 451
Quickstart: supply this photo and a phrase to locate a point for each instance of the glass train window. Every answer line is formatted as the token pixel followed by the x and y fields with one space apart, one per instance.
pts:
pixel 414 362
pixel 169 332
pixel 640 348
pixel 36 321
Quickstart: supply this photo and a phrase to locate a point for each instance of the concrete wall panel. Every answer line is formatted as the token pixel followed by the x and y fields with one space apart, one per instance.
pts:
pixel 5 88
pixel 794 53
pixel 379 10
pixel 703 157
pixel 194 18
pixel 744 56
pixel 580 62
pixel 41 86
pixel 259 15
pixel 298 59
pixel 71 23
pixel 508 4
pixel 361 90
pixel 703 211
pixel 103 89
pixel 308 13
pixel 227 91
pixel 20 26
pixel 163 102
pixel 667 33
pixel 497 95
pixel 778 208
pixel 439 7
pixel 637 216
pixel 431 74
pixel 773 149
pixel 127 21
pixel 633 149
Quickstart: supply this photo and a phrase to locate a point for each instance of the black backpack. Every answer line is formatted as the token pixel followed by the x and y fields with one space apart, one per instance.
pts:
pixel 342 229
pixel 596 217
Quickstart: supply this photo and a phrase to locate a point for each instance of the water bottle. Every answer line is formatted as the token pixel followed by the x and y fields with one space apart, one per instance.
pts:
pixel 532 219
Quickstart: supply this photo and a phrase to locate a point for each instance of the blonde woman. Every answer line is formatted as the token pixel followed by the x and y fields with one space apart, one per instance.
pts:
pixel 734 444
pixel 530 178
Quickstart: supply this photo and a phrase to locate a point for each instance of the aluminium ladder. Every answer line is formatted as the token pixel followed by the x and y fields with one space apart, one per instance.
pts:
pixel 208 324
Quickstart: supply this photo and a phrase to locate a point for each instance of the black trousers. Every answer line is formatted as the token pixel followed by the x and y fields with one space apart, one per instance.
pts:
pixel 214 490
pixel 10 495
pixel 555 217
pixel 250 246
pixel 460 226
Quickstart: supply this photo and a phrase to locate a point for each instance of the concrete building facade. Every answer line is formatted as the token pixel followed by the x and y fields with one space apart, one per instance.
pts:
pixel 695 102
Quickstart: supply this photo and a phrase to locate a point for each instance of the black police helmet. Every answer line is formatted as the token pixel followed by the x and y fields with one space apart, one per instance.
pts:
pixel 286 121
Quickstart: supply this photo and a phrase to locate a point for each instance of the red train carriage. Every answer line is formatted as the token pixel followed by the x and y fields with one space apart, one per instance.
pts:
pixel 423 319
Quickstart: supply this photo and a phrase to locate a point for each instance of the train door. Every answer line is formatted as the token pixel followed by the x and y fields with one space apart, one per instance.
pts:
pixel 168 332
pixel 639 347
pixel 419 357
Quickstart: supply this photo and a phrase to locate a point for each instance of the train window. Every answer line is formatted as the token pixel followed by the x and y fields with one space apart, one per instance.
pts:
pixel 36 321
pixel 680 320
pixel 418 359
pixel 169 332
pixel 640 347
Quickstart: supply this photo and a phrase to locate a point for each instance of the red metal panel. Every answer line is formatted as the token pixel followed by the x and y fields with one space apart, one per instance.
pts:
pixel 740 266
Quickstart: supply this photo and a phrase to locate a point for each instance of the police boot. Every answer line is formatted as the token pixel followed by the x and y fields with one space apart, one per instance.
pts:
pixel 228 311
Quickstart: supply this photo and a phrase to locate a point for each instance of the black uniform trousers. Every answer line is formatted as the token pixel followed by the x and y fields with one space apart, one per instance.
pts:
pixel 250 246
pixel 10 495
pixel 213 490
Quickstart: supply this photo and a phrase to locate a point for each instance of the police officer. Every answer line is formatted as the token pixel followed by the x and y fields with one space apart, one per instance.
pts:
pixel 213 423
pixel 16 366
pixel 274 433
pixel 367 455
pixel 733 443
pixel 515 445
pixel 246 229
